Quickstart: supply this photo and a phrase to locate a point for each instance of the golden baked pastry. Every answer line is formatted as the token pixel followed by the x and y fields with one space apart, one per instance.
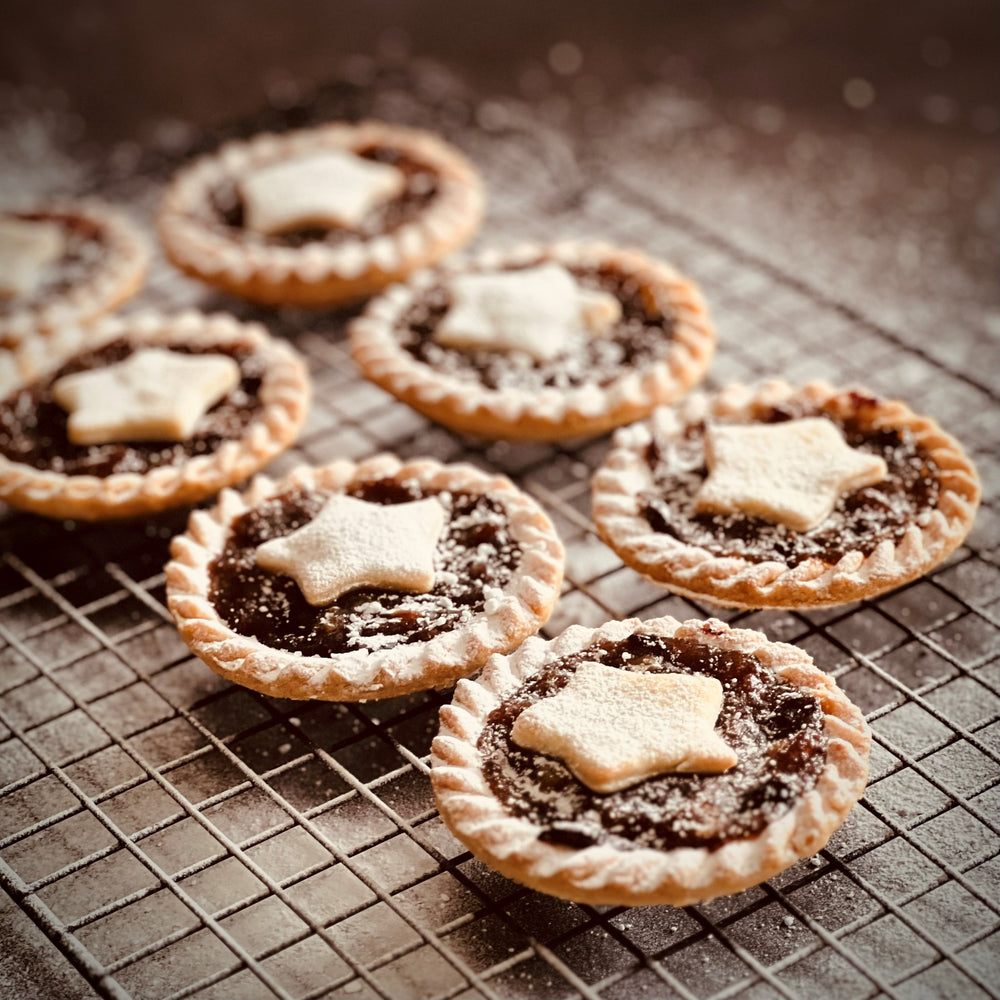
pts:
pixel 783 497
pixel 320 216
pixel 539 343
pixel 139 414
pixel 358 581
pixel 648 762
pixel 65 262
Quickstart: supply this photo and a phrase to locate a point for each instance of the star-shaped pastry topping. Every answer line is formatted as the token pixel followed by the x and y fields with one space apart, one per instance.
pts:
pixel 538 310
pixel 27 247
pixel 614 728
pixel 334 188
pixel 789 473
pixel 153 395
pixel 352 543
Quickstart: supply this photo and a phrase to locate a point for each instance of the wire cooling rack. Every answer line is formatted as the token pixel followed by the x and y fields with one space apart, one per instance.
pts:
pixel 178 836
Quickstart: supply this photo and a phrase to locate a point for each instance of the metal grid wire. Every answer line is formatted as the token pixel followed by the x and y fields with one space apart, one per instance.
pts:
pixel 178 836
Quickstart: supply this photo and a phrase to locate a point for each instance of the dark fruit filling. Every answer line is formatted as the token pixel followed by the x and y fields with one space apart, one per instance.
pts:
pixel 475 555
pixel 421 189
pixel 775 729
pixel 83 254
pixel 33 424
pixel 642 337
pixel 859 521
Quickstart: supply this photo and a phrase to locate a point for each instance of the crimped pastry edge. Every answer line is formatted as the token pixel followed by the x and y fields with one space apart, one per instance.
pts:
pixel 119 276
pixel 693 572
pixel 285 394
pixel 318 274
pixel 528 599
pixel 551 414
pixel 604 874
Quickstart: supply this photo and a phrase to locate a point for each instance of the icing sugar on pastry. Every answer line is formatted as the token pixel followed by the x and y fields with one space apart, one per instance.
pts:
pixel 352 543
pixel 614 728
pixel 154 395
pixel 334 188
pixel 789 473
pixel 27 247
pixel 538 310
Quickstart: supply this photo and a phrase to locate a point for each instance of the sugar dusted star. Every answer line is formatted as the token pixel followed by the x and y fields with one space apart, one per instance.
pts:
pixel 27 248
pixel 352 543
pixel 153 395
pixel 334 188
pixel 789 473
pixel 614 728
pixel 538 310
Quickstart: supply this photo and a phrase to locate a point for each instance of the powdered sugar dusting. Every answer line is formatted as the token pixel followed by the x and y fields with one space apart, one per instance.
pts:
pixel 34 163
pixel 332 188
pixel 774 729
pixel 640 336
pixel 352 543
pixel 857 522
pixel 615 728
pixel 27 248
pixel 473 559
pixel 153 395
pixel 789 473
pixel 538 311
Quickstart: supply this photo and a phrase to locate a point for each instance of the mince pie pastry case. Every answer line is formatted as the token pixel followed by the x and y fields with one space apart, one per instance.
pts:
pixel 783 497
pixel 321 216
pixel 144 413
pixel 359 581
pixel 564 767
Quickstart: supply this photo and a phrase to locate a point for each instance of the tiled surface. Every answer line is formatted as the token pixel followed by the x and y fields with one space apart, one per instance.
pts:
pixel 176 836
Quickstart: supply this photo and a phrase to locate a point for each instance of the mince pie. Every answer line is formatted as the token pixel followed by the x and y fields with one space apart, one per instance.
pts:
pixel 648 762
pixel 320 216
pixel 782 497
pixel 139 414
pixel 538 343
pixel 359 581
pixel 65 262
